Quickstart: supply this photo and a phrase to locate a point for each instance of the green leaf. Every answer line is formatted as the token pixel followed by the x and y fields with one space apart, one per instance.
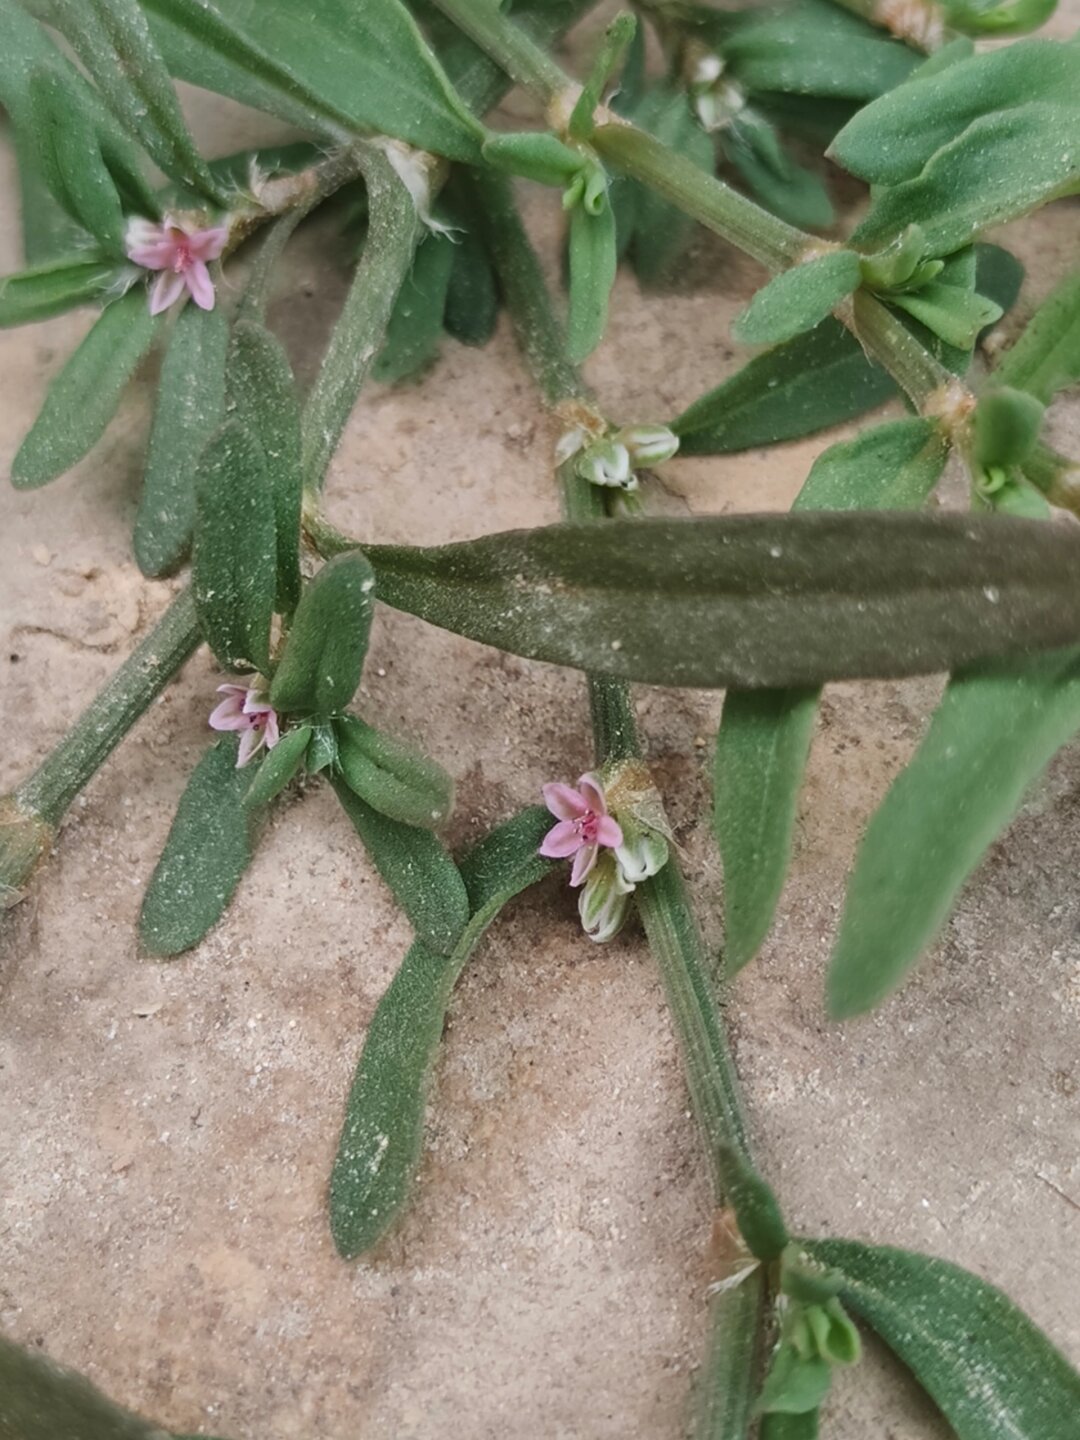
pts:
pixel 417 869
pixel 343 66
pixel 71 159
pixel 39 1400
pixel 277 767
pixel 777 1426
pixel 593 261
pixel 324 655
pixel 262 393
pixel 793 193
pixel 997 17
pixel 472 295
pixel 993 1374
pixel 999 275
pixel 112 39
pixel 416 322
pixel 751 600
pixel 660 230
pixel 49 235
pixel 384 1121
pixel 190 406
pixel 992 734
pixel 1005 428
pixel 1046 357
pixel 794 1385
pixel 798 299
pixel 392 777
pixel 815 381
pixel 208 849
pixel 34 295
pixel 616 42
pixel 235 549
pixel 85 395
pixel 535 155
pixel 893 139
pixel 956 315
pixel 796 49
pixel 764 736
pixel 322 752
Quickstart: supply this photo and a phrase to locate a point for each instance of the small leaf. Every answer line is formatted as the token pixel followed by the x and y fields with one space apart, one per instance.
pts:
pixel 384 1122
pixel 593 261
pixel 322 752
pixel 817 380
pixel 34 295
pixel 534 155
pixel 190 406
pixel 993 1374
pixel 85 395
pixel 417 869
pixel 796 195
pixel 43 1401
pixel 992 734
pixel 208 849
pixel 472 296
pixel 112 39
pixel 1046 357
pixel 71 159
pixel 263 395
pixel 660 230
pixel 416 322
pixel 997 17
pixel 798 299
pixel 794 1385
pixel 277 767
pixel 1006 427
pixel 777 1426
pixel 751 600
pixel 324 655
pixel 764 737
pixel 235 549
pixel 956 315
pixel 392 777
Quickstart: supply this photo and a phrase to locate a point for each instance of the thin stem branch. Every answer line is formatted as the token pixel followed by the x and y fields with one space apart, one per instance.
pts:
pixel 508 45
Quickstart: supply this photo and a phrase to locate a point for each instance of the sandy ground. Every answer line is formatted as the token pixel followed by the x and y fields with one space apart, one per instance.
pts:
pixel 166 1131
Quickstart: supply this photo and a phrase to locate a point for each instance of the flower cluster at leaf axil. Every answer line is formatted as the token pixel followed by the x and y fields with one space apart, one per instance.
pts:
pixel 614 831
pixel 613 459
pixel 180 250
pixel 247 708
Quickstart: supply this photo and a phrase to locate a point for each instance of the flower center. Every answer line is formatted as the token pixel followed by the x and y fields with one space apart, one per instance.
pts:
pixel 588 826
pixel 182 256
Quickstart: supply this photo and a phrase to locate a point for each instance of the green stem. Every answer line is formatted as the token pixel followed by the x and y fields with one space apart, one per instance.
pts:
pixel 508 45
pixel 727 1384
pixel 52 787
pixel 915 370
pixel 393 231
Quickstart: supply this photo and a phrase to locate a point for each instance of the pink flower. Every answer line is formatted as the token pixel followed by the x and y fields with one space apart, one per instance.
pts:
pixel 180 251
pixel 248 710
pixel 584 825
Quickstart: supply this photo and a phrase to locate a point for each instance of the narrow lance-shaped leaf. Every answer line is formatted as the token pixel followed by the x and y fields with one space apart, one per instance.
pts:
pixel 391 776
pixel 416 321
pixel 610 56
pixel 798 299
pixel 383 1132
pixel 764 736
pixel 277 767
pixel 660 231
pixel 992 734
pixel 351 67
pixel 1046 357
pixel 994 1375
pixel 208 849
pixel 85 395
pixel 753 600
pixel 324 656
pixel 262 393
pixel 190 406
pixel 472 294
pixel 49 234
pixel 235 549
pixel 417 869
pixel 112 39
pixel 71 159
pixel 593 261
pixel 40 1400
pixel 34 295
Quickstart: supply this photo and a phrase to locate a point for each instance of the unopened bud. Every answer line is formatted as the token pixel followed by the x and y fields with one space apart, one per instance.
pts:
pixel 607 463
pixel 648 444
pixel 604 900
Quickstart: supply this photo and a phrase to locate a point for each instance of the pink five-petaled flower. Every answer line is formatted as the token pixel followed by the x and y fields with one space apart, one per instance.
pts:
pixel 248 711
pixel 584 825
pixel 180 251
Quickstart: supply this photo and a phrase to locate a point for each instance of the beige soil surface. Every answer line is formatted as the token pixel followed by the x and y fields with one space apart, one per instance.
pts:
pixel 166 1131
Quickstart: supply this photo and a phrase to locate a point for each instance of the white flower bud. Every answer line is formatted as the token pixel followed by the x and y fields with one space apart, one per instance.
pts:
pixel 608 463
pixel 648 444
pixel 707 69
pixel 642 853
pixel 604 900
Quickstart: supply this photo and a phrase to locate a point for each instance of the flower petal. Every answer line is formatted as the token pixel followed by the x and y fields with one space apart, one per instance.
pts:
pixel 609 832
pixel 561 841
pixel 564 802
pixel 592 792
pixel 208 244
pixel 250 742
pixel 584 861
pixel 228 716
pixel 165 291
pixel 271 734
pixel 241 690
pixel 197 279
